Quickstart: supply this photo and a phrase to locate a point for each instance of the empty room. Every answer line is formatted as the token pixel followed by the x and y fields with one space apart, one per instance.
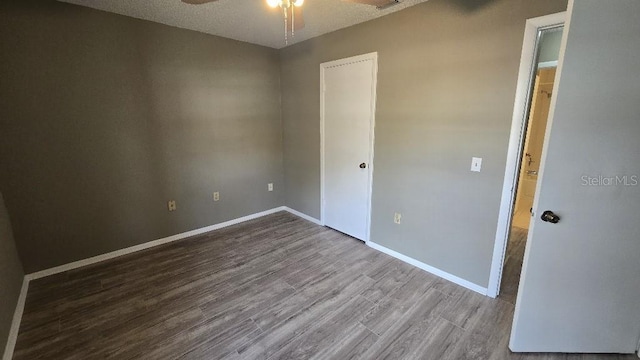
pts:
pixel 320 179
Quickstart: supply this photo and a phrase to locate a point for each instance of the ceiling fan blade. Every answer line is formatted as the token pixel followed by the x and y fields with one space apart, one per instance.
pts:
pixel 376 3
pixel 197 2
pixel 299 18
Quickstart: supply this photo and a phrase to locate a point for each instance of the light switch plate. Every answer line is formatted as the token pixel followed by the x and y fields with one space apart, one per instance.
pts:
pixel 397 218
pixel 476 164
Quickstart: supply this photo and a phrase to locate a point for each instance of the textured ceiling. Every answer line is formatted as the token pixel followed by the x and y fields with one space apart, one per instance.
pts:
pixel 246 20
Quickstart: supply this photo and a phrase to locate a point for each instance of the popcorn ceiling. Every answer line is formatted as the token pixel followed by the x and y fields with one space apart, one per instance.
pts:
pixel 246 20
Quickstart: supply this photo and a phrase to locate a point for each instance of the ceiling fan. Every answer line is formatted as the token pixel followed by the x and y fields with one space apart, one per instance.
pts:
pixel 379 4
pixel 292 11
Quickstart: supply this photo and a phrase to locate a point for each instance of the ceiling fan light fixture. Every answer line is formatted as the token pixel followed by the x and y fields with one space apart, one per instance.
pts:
pixel 289 10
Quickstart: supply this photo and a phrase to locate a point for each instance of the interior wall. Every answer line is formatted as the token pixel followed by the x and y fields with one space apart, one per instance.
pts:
pixel 446 85
pixel 104 118
pixel 11 275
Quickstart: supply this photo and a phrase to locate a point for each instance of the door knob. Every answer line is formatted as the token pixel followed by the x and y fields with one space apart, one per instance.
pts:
pixel 549 216
pixel 363 165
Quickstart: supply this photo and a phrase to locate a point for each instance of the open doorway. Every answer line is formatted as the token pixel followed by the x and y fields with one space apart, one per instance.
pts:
pixel 543 78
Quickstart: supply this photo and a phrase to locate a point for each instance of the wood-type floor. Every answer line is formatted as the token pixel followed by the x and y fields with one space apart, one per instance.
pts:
pixel 513 264
pixel 278 287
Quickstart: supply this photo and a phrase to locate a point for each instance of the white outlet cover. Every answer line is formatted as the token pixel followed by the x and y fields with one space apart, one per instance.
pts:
pixel 476 164
pixel 397 218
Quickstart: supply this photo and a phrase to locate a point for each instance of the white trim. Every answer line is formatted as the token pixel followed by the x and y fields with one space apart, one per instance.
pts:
pixel 515 142
pixel 548 64
pixel 17 319
pixel 374 85
pixel 17 316
pixel 428 268
pixel 302 215
pixel 147 245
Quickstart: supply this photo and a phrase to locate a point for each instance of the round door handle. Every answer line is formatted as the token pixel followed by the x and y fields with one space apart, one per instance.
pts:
pixel 363 165
pixel 550 217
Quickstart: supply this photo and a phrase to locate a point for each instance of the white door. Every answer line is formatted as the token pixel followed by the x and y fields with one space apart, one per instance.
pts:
pixel 580 286
pixel 348 102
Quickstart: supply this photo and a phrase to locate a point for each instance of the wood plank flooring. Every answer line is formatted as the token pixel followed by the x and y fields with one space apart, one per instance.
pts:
pixel 513 264
pixel 521 219
pixel 277 287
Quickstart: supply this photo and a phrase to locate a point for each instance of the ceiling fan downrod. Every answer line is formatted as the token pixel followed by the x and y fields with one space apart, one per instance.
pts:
pixel 287 6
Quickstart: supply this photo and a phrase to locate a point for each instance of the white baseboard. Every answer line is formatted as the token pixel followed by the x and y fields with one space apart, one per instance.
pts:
pixel 443 274
pixel 147 245
pixel 302 215
pixel 15 325
pixel 153 243
pixel 428 268
pixel 17 316
pixel 17 319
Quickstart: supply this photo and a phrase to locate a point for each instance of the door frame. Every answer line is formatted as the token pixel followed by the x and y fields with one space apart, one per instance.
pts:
pixel 374 76
pixel 526 76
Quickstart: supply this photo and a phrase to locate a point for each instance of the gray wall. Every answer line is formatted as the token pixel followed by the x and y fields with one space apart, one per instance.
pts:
pixel 11 275
pixel 103 118
pixel 550 46
pixel 446 84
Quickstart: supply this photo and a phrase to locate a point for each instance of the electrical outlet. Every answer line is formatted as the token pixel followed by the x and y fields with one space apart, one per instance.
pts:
pixel 172 205
pixel 397 217
pixel 216 196
pixel 270 186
